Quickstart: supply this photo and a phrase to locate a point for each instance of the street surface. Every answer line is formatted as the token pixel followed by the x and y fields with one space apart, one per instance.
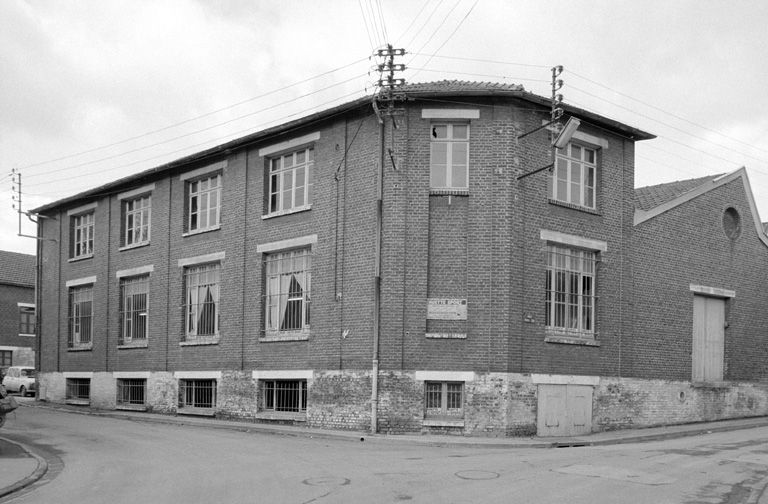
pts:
pixel 109 460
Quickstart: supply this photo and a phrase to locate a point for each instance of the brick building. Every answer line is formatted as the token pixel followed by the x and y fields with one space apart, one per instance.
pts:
pixel 17 309
pixel 453 286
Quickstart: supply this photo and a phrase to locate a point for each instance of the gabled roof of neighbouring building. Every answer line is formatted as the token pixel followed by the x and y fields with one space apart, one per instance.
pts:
pixel 17 269
pixel 416 91
pixel 652 196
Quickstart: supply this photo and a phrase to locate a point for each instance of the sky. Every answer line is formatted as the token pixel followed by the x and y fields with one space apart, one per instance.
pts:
pixel 93 91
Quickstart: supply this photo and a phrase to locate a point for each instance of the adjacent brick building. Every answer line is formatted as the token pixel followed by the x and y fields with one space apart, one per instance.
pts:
pixel 17 309
pixel 412 272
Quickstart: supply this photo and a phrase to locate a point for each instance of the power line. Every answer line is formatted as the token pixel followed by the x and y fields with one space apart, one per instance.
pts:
pixel 365 24
pixel 382 21
pixel 479 60
pixel 475 74
pixel 423 6
pixel 438 28
pixel 423 26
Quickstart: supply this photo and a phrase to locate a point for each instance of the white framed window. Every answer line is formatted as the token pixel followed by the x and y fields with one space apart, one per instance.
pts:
pixel 444 399
pixel 197 394
pixel 131 392
pixel 80 316
pixel 136 220
pixel 288 286
pixel 290 181
pixel 134 309
pixel 201 306
pixel 449 156
pixel 284 395
pixel 570 291
pixel 82 230
pixel 574 176
pixel 27 320
pixel 204 203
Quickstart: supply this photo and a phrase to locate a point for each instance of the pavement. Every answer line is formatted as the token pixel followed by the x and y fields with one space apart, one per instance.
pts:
pixel 20 466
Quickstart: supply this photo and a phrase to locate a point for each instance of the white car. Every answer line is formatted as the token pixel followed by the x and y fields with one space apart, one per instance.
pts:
pixel 20 379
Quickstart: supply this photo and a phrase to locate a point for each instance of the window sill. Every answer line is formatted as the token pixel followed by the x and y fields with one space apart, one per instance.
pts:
pixel 446 335
pixel 445 191
pixel 201 231
pixel 27 335
pixel 574 206
pixel 200 340
pixel 442 422
pixel 137 344
pixel 287 212
pixel 78 402
pixel 710 385
pixel 573 338
pixel 302 335
pixel 131 407
pixel 80 258
pixel 133 246
pixel 81 348
pixel 190 410
pixel 281 416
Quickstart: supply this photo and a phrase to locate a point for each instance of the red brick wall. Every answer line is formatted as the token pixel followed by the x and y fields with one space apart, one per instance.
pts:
pixel 10 296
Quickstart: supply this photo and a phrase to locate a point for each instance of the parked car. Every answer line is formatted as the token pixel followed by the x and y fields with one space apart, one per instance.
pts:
pixel 20 379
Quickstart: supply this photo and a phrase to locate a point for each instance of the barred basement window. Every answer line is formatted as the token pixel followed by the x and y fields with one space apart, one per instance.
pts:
pixel 133 309
pixel 202 300
pixel 131 391
pixel 444 399
pixel 197 394
pixel 570 291
pixel 80 316
pixel 285 395
pixel 78 389
pixel 288 278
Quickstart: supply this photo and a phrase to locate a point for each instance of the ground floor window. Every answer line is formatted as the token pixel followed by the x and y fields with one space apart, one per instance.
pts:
pixel 284 395
pixel 78 389
pixel 444 399
pixel 6 357
pixel 197 394
pixel 131 392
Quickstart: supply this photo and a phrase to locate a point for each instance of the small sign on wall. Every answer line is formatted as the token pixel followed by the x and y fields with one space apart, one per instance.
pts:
pixel 446 309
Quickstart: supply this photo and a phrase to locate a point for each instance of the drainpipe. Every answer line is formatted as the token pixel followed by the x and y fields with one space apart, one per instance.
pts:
pixel 377 280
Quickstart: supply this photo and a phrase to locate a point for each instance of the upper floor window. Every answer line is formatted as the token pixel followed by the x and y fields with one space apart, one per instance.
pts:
pixel 204 203
pixel 81 236
pixel 574 176
pixel 134 308
pixel 290 181
pixel 202 300
pixel 288 278
pixel 26 319
pixel 570 291
pixel 136 219
pixel 80 316
pixel 449 156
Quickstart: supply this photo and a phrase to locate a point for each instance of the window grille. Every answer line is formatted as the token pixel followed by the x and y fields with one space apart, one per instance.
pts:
pixel 79 389
pixel 204 203
pixel 137 217
pixel 82 235
pixel 285 395
pixel 290 180
pixel 26 320
pixel 444 399
pixel 570 290
pixel 134 307
pixel 288 277
pixel 80 315
pixel 573 179
pixel 197 393
pixel 131 391
pixel 202 300
pixel 449 156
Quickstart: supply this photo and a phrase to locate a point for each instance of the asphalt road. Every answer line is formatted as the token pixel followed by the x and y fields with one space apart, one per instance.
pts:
pixel 108 460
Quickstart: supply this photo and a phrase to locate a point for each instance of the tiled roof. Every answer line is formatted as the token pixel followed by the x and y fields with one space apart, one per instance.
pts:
pixel 652 196
pixel 450 86
pixel 17 269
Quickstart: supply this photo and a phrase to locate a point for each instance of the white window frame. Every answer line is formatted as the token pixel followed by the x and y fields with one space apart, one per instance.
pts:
pixel 276 390
pixel 571 308
pixel 134 322
pixel 448 144
pixel 302 159
pixel 83 235
pixel 570 177
pixel 137 220
pixel 445 392
pixel 279 299
pixel 79 296
pixel 198 199
pixel 199 276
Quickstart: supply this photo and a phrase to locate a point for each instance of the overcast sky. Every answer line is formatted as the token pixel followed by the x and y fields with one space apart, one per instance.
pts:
pixel 91 91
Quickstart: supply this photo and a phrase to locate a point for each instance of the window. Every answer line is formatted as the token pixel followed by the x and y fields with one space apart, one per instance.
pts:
pixel 6 358
pixel 202 300
pixel 204 203
pixel 290 181
pixel 285 395
pixel 449 158
pixel 81 235
pixel 136 217
pixel 288 278
pixel 444 399
pixel 78 390
pixel 573 179
pixel 197 394
pixel 80 316
pixel 26 320
pixel 131 391
pixel 570 298
pixel 134 307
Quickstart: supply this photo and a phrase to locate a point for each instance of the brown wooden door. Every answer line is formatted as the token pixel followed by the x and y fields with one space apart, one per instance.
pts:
pixel 708 339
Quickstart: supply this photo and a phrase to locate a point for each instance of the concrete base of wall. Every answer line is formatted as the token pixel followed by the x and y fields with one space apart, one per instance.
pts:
pixel 495 404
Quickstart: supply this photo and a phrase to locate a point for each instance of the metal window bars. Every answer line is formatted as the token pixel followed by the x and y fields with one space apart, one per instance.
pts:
pixel 197 393
pixel 570 290
pixel 285 395
pixel 444 399
pixel 78 388
pixel 202 300
pixel 134 309
pixel 288 287
pixel 131 391
pixel 80 315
